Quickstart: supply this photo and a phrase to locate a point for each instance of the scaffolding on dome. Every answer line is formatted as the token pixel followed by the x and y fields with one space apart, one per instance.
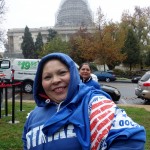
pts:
pixel 74 13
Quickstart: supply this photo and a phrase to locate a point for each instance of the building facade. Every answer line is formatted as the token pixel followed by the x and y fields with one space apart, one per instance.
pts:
pixel 71 16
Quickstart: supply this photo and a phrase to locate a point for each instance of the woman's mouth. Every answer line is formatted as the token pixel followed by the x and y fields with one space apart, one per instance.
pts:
pixel 59 90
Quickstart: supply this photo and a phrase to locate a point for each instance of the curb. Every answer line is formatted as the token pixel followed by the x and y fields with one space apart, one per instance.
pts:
pixel 124 81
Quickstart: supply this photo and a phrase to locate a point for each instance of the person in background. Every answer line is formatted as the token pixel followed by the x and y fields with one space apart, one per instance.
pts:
pixel 85 75
pixel 72 116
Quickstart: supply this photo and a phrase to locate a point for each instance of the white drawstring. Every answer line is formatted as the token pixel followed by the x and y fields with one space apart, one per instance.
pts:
pixel 58 108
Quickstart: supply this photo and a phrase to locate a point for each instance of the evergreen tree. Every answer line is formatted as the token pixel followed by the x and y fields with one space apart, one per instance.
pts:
pixel 55 45
pixel 38 45
pixel 51 34
pixel 147 59
pixel 140 22
pixel 131 49
pixel 27 45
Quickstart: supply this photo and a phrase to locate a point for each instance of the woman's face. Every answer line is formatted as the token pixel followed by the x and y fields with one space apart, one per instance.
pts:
pixel 85 71
pixel 55 80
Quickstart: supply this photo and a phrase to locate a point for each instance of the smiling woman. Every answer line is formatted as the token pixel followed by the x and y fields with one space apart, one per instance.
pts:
pixel 73 116
pixel 55 80
pixel 87 77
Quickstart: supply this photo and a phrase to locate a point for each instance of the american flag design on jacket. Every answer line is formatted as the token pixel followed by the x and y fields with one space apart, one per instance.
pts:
pixel 105 116
pixel 101 116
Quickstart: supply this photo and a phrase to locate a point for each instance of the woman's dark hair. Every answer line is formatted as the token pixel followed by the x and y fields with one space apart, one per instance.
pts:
pixel 86 63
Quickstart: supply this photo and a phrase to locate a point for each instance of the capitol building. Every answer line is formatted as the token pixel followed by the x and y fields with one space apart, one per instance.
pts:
pixel 71 16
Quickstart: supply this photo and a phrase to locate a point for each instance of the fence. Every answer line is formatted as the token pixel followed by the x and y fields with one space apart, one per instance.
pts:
pixel 4 89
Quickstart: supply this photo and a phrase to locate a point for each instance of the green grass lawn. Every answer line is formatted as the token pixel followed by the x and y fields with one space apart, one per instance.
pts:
pixel 10 134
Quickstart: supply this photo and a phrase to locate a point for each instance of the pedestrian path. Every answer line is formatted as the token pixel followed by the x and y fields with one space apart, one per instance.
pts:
pixel 147 107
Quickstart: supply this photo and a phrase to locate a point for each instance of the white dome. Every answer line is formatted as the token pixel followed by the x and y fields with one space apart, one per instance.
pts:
pixel 74 13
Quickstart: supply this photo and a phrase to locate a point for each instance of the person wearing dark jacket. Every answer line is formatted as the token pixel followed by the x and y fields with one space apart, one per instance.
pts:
pixel 85 75
pixel 72 116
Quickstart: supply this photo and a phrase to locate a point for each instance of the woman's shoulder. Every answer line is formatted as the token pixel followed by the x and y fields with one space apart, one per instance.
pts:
pixel 100 98
pixel 101 102
pixel 94 83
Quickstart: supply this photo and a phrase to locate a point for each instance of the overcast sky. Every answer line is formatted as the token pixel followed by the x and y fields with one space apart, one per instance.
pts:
pixel 37 13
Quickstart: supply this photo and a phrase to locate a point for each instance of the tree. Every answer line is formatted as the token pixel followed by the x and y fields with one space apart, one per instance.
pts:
pixel 82 46
pixel 38 45
pixel 27 45
pixel 51 34
pixel 2 12
pixel 100 20
pixel 131 49
pixel 55 45
pixel 109 39
pixel 140 22
pixel 108 42
pixel 147 59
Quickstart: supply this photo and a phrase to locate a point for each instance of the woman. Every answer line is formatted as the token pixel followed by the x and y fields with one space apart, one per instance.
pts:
pixel 85 75
pixel 72 116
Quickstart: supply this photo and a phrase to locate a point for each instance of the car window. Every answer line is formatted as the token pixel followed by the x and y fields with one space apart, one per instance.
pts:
pixel 145 77
pixel 97 72
pixel 111 72
pixel 104 73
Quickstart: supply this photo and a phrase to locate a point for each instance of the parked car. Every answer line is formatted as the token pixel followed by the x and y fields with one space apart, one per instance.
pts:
pixel 112 91
pixel 105 76
pixel 143 87
pixel 110 71
pixel 135 79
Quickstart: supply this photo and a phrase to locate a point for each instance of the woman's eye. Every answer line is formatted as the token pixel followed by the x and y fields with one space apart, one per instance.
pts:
pixel 84 69
pixel 47 77
pixel 63 72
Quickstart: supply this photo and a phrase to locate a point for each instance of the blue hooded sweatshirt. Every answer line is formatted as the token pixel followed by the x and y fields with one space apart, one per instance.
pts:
pixel 91 82
pixel 86 119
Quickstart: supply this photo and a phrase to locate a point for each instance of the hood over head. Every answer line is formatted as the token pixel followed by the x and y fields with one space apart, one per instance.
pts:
pixel 38 91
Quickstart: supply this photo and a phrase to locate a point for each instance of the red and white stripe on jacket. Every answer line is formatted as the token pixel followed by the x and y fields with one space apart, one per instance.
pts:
pixel 101 117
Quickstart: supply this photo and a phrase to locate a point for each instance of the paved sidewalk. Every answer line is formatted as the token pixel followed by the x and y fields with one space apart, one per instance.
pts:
pixel 147 107
pixel 124 81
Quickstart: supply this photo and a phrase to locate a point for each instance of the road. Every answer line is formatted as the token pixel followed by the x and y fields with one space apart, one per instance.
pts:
pixel 127 93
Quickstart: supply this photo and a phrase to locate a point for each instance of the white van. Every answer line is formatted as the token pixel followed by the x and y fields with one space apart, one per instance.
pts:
pixel 24 70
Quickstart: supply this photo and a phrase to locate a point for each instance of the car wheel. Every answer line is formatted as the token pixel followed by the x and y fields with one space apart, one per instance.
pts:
pixel 107 79
pixel 28 87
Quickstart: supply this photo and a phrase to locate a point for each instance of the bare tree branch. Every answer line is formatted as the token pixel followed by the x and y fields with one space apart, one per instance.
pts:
pixel 2 8
pixel 2 12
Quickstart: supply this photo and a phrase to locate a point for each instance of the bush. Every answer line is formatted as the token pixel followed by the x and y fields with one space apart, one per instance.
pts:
pixel 127 73
pixel 119 73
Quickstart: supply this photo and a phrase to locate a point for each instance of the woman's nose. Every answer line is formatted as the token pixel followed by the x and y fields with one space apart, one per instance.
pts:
pixel 55 79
